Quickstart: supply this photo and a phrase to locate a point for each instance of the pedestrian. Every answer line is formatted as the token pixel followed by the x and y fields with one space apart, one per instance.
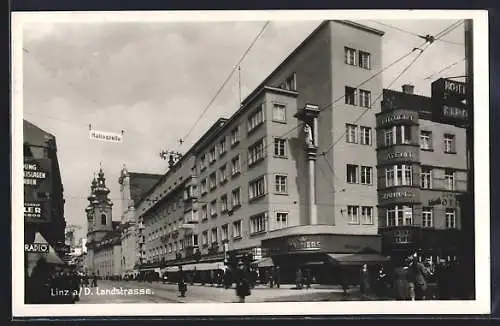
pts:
pixel 277 276
pixel 401 286
pixel 271 277
pixel 308 278
pixel 242 283
pixel 364 281
pixel 181 282
pixel 420 274
pixel 381 281
pixel 299 278
pixel 94 280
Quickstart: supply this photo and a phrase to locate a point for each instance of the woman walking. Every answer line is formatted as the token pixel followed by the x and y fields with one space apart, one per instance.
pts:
pixel 242 283
pixel 364 281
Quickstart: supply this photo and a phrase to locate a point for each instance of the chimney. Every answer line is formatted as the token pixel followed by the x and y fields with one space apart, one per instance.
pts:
pixel 408 89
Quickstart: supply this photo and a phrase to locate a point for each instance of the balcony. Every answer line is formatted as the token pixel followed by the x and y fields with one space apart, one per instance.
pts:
pixel 191 218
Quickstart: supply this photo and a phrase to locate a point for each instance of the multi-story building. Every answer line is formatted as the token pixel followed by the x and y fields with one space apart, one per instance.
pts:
pixel 422 169
pixel 103 234
pixel 43 189
pixel 291 175
pixel 132 187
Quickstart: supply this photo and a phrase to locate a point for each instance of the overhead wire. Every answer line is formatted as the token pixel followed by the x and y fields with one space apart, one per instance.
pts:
pixel 228 78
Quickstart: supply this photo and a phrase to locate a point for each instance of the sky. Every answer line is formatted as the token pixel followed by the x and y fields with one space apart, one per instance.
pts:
pixel 153 80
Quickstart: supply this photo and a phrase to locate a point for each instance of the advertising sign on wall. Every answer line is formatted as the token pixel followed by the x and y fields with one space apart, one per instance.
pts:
pixel 37 190
pixel 448 101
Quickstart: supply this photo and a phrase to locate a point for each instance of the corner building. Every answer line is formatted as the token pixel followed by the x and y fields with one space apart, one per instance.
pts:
pixel 262 181
pixel 422 171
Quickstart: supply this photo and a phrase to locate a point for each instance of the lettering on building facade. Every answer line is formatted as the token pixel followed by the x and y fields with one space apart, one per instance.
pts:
pixel 395 155
pixel 36 248
pixel 397 117
pixel 302 243
pixel 32 174
pixel 445 199
pixel 397 195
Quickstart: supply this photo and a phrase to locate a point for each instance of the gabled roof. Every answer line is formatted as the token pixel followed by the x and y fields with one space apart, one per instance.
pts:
pixel 35 135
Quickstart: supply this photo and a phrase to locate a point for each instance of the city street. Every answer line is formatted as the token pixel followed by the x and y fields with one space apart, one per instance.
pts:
pixel 157 292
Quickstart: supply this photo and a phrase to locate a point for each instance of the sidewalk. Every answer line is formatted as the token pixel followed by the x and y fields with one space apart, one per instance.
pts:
pixel 198 293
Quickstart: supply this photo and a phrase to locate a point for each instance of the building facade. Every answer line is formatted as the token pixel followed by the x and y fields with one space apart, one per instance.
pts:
pixel 103 235
pixel 276 179
pixel 422 169
pixel 132 187
pixel 43 189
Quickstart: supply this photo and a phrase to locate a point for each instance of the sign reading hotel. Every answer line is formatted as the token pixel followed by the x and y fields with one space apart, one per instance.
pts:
pixel 106 136
pixel 448 101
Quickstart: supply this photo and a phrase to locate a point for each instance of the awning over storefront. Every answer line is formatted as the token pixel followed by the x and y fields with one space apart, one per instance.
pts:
pixel 264 262
pixel 355 259
pixel 170 269
pixel 203 266
pixel 51 257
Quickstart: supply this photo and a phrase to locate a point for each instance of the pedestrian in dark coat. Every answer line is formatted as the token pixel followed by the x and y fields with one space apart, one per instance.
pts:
pixel 277 276
pixel 242 283
pixel 299 278
pixel 308 278
pixel 364 281
pixel 181 282
pixel 401 286
pixel 420 274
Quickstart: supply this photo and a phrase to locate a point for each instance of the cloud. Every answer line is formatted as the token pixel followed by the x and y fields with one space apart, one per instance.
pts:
pixel 154 79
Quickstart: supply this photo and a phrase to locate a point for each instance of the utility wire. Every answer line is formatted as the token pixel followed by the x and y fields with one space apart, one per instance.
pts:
pixel 444 69
pixel 226 80
pixel 412 33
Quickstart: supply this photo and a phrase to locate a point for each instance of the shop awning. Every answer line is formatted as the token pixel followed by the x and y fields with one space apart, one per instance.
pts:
pixel 264 262
pixel 170 269
pixel 355 259
pixel 203 266
pixel 51 258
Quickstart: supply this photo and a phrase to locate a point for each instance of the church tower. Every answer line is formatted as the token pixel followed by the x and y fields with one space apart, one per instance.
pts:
pixel 99 216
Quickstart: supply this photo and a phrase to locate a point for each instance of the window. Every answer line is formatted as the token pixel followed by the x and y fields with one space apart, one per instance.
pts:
pixel 426 178
pixel 388 137
pixel 212 181
pixel 425 140
pixel 366 215
pixel 236 197
pixel 364 60
pixel 103 219
pixel 169 248
pixel 235 165
pixel 350 133
pixel 279 112
pixel 403 134
pixel 353 214
pixel 352 173
pixel 366 175
pixel 174 247
pixel 449 143
pixel 213 208
pixel 224 233
pixel 279 147
pixel 223 203
pixel 256 152
pixel 291 83
pixel 204 238
pixel 257 188
pixel 222 147
pixel 403 175
pixel 449 179
pixel 399 216
pixel 235 136
pixel 256 119
pixel 237 229
pixel 214 236
pixel 450 217
pixel 204 212
pixel 365 135
pixel 427 217
pixel 223 173
pixel 281 220
pixel 350 56
pixel 203 186
pixel 401 236
pixel 364 98
pixel 350 95
pixel 281 184
pixel 203 162
pixel 211 155
pixel 258 223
